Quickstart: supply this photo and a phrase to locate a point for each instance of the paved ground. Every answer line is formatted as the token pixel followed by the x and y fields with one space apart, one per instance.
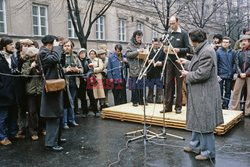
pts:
pixel 96 142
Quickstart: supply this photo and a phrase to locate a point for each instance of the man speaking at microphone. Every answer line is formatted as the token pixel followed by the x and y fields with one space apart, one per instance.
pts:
pixel 180 42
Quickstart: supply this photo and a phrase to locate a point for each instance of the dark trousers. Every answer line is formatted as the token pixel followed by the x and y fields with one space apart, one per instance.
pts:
pixel 158 96
pixel 243 97
pixel 119 93
pixel 225 88
pixel 173 75
pixel 82 95
pixel 35 122
pixel 137 90
pixel 53 128
pixel 8 121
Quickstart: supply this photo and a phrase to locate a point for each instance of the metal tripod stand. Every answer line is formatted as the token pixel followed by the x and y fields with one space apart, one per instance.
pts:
pixel 146 134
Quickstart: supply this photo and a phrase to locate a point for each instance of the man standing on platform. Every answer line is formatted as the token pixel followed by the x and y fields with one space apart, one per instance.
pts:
pixel 180 42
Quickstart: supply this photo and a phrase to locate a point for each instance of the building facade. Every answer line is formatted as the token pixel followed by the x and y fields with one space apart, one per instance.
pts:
pixel 35 18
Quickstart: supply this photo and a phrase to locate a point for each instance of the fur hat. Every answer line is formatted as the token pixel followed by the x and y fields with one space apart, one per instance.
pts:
pixel 32 51
pixel 242 37
pixel 26 41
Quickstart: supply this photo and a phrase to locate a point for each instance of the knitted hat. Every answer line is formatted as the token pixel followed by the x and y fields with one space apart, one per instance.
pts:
pixel 81 50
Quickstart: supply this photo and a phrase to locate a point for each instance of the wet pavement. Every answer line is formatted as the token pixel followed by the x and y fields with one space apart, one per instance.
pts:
pixel 96 142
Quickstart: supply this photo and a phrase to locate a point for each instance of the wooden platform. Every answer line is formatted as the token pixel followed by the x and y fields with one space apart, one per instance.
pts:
pixel 127 112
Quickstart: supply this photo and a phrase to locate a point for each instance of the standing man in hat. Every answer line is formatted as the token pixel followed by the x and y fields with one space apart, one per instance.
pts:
pixel 51 103
pixel 243 69
pixel 179 40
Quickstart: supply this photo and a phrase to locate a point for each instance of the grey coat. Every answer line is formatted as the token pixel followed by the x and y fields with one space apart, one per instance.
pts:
pixel 204 111
pixel 51 103
pixel 135 64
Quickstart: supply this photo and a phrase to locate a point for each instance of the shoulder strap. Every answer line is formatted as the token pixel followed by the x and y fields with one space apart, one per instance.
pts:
pixel 40 62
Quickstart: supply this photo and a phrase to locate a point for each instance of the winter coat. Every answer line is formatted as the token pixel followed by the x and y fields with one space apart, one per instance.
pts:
pixel 135 64
pixel 52 102
pixel 116 68
pixel 225 63
pixel 204 111
pixel 7 83
pixel 33 84
pixel 243 62
pixel 155 72
pixel 98 89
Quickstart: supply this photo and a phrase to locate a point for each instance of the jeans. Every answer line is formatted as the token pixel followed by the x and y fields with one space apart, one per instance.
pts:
pixel 203 143
pixel 69 114
pixel 8 120
pixel 225 88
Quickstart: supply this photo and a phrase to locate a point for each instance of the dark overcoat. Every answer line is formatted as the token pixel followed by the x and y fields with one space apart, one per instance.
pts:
pixel 7 83
pixel 51 103
pixel 204 111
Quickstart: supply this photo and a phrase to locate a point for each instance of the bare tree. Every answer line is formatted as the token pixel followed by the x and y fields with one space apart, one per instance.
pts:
pixel 236 17
pixel 166 8
pixel 201 13
pixel 81 27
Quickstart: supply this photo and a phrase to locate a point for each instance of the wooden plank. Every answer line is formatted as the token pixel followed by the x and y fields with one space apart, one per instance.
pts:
pixel 127 112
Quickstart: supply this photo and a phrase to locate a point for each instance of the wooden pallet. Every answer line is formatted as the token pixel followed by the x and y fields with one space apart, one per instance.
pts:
pixel 127 112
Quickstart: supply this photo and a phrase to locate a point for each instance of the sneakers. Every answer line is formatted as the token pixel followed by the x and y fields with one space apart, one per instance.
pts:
pixel 189 149
pixel 34 137
pixel 201 157
pixel 5 142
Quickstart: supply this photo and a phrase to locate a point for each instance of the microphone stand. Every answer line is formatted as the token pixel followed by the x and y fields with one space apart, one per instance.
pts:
pixel 164 134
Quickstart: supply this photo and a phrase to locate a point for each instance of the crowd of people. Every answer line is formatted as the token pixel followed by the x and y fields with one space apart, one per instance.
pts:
pixel 26 109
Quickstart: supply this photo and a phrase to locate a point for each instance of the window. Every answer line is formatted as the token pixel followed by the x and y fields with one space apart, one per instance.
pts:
pixel 40 20
pixel 154 32
pixel 2 17
pixel 71 30
pixel 140 26
pixel 122 30
pixel 100 28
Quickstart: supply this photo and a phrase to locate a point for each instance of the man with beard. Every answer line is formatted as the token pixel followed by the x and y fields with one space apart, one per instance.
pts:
pixel 8 107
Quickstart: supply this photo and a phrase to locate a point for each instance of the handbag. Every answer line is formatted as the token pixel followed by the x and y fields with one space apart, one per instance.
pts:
pixel 52 85
pixel 93 79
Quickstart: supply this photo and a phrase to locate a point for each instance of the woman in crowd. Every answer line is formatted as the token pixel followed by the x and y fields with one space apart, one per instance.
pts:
pixel 102 54
pixel 33 92
pixel 97 66
pixel 87 72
